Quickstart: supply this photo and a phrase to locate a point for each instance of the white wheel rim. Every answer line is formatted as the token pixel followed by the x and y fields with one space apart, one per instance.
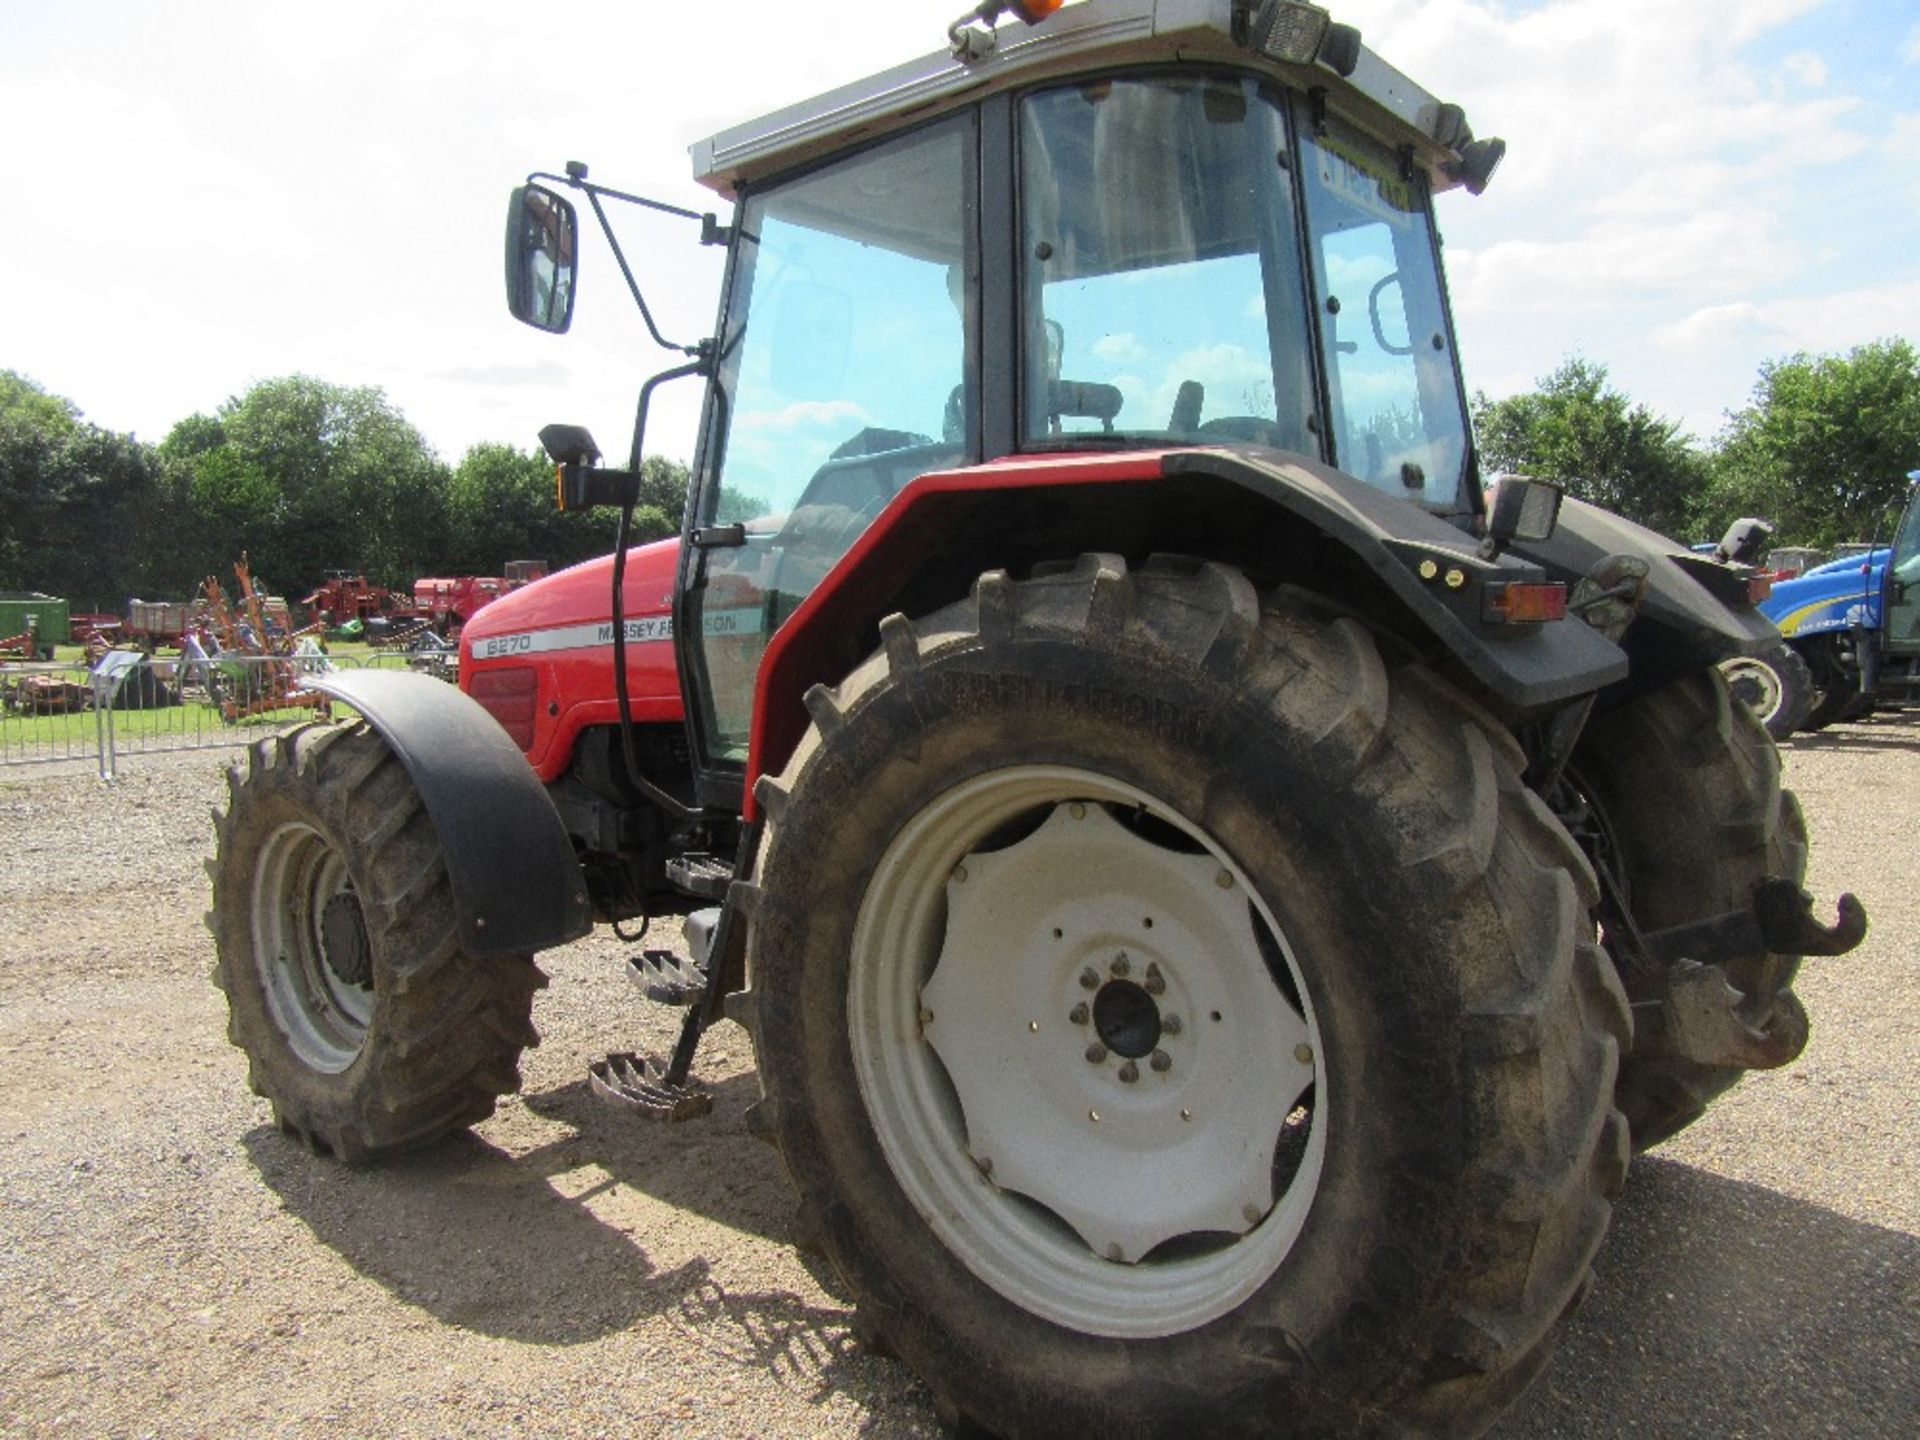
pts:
pixel 323 1016
pixel 1767 692
pixel 1128 1205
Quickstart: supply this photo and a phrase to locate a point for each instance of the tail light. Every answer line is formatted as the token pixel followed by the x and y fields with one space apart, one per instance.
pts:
pixel 1521 604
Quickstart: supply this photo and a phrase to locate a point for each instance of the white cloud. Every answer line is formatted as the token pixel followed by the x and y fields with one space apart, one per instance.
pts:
pixel 1812 322
pixel 1910 52
pixel 1806 68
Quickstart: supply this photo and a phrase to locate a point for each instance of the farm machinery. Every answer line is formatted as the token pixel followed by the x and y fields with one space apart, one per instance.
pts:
pixel 1217 888
pixel 1850 636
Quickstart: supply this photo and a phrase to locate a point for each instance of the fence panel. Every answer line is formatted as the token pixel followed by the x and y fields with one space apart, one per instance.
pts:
pixel 129 706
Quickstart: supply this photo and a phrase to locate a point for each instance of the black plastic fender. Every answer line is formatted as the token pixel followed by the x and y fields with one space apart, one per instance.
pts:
pixel 1434 568
pixel 517 887
pixel 1694 612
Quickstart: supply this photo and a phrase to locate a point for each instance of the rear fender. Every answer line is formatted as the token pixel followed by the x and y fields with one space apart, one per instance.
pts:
pixel 1694 614
pixel 517 887
pixel 1281 518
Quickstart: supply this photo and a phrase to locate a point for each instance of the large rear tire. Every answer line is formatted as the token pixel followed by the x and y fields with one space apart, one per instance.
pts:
pixel 363 1021
pixel 1175 1023
pixel 1686 788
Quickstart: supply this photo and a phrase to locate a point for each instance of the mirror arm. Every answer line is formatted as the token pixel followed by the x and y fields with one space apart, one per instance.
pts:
pixel 711 233
pixel 633 285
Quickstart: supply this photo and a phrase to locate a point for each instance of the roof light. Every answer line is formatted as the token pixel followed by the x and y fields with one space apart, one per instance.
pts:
pixel 1519 508
pixel 970 43
pixel 1289 31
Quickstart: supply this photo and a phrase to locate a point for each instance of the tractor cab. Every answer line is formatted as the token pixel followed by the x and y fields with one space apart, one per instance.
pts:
pixel 1137 227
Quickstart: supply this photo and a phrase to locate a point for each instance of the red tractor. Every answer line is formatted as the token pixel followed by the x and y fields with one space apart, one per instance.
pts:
pixel 1217 888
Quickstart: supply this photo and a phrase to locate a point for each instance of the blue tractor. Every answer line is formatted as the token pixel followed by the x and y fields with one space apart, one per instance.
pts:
pixel 1850 632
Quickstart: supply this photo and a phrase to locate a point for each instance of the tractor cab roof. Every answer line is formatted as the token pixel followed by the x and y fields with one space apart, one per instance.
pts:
pixel 1099 35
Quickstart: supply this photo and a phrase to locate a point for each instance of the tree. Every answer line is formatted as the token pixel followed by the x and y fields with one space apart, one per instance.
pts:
pixel 1579 432
pixel 1823 447
pixel 77 502
pixel 306 476
pixel 500 506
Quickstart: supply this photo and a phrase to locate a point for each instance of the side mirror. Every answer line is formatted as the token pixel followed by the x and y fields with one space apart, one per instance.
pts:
pixel 542 258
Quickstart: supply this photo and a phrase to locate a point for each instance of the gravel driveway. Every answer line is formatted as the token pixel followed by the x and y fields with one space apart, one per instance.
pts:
pixel 170 1265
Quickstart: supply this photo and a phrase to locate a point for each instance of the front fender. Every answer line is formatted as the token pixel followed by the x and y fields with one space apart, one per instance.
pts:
pixel 517 887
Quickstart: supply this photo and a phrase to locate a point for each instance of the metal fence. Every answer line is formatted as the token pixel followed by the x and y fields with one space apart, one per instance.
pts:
pixel 130 704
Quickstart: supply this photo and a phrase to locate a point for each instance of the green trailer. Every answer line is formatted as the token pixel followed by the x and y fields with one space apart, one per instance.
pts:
pixel 46 616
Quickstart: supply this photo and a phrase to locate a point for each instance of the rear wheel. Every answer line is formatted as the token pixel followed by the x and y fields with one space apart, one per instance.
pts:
pixel 1166 1012
pixel 363 1021
pixel 1686 791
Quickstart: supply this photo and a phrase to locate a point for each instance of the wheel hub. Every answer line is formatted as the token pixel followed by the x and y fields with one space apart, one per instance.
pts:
pixel 343 934
pixel 1126 1019
pixel 1136 1093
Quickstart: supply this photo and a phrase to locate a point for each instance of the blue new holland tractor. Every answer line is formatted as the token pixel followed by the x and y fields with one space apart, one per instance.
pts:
pixel 1850 633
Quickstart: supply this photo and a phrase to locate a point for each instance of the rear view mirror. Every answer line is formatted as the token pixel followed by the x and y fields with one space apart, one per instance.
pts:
pixel 541 258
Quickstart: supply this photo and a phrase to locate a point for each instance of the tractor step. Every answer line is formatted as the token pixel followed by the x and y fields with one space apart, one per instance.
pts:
pixel 705 876
pixel 635 1084
pixel 667 979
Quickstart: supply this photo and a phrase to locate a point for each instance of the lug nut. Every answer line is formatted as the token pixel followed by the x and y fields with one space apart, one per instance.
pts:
pixel 1155 982
pixel 985 1164
pixel 1170 1024
pixel 1078 1015
pixel 1129 1073
pixel 1096 1052
pixel 1303 1053
pixel 1121 967
pixel 1161 1062
pixel 1252 1212
pixel 1089 979
pixel 1224 879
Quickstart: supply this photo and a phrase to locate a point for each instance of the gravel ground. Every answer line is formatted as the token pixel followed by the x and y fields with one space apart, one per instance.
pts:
pixel 172 1266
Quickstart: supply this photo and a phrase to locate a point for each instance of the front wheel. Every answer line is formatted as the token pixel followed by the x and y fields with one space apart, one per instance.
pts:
pixel 1167 1012
pixel 364 1022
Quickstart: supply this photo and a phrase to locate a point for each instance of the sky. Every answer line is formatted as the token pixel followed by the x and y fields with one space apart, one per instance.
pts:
pixel 205 195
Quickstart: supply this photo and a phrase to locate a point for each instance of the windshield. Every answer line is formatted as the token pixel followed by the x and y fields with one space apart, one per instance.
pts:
pixel 1397 417
pixel 1163 292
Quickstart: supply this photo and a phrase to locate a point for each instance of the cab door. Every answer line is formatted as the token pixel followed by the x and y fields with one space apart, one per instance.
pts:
pixel 846 370
pixel 1900 603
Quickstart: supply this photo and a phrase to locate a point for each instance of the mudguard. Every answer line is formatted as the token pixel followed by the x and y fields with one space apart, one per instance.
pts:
pixel 517 887
pixel 1230 503
pixel 1693 603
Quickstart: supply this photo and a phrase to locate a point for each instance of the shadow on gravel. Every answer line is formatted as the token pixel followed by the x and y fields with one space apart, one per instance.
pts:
pixel 1727 1309
pixel 1862 737
pixel 1722 1308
